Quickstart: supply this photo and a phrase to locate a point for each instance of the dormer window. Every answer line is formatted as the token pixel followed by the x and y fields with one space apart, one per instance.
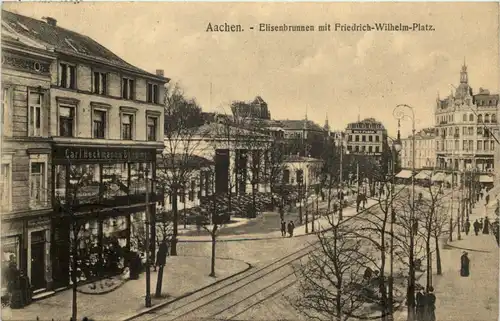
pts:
pixel 67 76
pixel 99 83
pixel 152 94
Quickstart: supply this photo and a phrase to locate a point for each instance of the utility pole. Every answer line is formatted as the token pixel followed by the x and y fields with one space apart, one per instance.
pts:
pixel 148 272
pixel 341 194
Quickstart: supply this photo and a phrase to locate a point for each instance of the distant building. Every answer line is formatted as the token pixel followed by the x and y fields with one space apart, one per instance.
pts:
pixel 464 123
pixel 367 137
pixel 254 109
pixel 425 150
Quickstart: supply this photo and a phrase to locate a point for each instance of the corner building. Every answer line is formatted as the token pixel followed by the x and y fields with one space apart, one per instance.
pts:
pixel 103 122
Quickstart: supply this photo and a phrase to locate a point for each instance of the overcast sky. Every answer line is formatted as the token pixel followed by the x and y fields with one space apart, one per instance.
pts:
pixel 334 73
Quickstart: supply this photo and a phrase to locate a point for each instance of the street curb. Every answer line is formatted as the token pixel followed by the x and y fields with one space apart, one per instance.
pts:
pixel 448 245
pixel 263 238
pixel 162 304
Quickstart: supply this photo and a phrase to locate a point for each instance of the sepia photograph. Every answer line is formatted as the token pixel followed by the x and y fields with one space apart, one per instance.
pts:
pixel 267 161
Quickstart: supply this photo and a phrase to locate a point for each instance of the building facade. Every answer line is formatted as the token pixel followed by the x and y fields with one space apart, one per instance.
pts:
pixel 366 137
pixel 102 122
pixel 425 150
pixel 464 123
pixel 255 109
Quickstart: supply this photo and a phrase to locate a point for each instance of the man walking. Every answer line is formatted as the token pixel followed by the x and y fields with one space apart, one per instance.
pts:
pixel 467 227
pixel 476 226
pixel 283 227
pixel 430 305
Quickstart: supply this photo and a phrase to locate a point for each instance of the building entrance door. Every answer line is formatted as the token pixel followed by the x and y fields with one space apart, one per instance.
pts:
pixel 60 253
pixel 38 260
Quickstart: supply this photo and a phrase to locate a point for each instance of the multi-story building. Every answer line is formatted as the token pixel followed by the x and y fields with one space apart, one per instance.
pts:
pixel 366 137
pixel 425 150
pixel 254 109
pixel 464 123
pixel 86 127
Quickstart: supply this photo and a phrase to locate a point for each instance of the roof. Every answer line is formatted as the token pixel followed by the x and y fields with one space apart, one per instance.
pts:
pixel 404 174
pixel 300 125
pixel 217 130
pixel 68 42
pixel 425 174
pixel 191 161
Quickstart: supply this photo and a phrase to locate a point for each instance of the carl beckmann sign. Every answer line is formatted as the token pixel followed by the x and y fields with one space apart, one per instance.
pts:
pixel 103 154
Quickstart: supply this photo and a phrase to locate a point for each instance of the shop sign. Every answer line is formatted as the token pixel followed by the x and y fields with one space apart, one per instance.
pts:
pixel 103 154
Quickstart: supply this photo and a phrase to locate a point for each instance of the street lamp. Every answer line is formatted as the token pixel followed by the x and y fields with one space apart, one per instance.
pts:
pixel 396 148
pixel 401 112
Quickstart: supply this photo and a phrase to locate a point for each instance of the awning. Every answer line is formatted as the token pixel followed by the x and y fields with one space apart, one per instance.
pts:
pixel 486 179
pixel 438 177
pixel 404 174
pixel 424 175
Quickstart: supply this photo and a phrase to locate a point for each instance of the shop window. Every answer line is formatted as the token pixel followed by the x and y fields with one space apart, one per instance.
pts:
pixel 66 121
pixel 114 180
pixel 137 178
pixel 10 259
pixel 38 184
pixel 35 114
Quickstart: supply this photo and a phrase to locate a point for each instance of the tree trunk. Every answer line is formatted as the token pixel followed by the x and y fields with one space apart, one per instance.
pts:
pixel 173 250
pixel 438 257
pixel 74 266
pixel 159 282
pixel 212 264
pixel 428 253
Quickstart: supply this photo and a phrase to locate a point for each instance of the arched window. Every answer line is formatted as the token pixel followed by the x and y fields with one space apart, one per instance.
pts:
pixel 471 117
pixel 493 118
pixel 465 118
pixel 479 118
pixel 487 118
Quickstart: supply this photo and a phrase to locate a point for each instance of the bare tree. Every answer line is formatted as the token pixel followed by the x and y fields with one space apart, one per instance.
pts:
pixel 182 119
pixel 331 283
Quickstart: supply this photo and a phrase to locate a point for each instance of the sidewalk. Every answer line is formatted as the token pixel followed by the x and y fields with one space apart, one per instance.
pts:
pixel 299 230
pixel 182 276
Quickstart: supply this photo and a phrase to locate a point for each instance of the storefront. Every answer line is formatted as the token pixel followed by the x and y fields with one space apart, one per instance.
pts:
pixel 97 192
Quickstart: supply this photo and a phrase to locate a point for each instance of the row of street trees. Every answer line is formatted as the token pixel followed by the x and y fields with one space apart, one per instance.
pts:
pixel 361 263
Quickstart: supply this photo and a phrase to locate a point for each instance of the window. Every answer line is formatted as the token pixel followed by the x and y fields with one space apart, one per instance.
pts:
pixel 493 118
pixel 152 94
pixel 465 145
pixel 300 176
pixel 67 76
pixel 377 139
pixel 492 145
pixel 37 184
pixel 465 117
pixel 370 138
pixel 377 148
pixel 479 118
pixel 191 191
pixel 479 145
pixel 486 146
pixel 127 123
pixel 471 117
pixel 35 114
pixel 6 107
pixel 357 138
pixel 99 123
pixel 152 128
pixel 128 88
pixel 66 121
pixel 350 138
pixel 363 138
pixel 471 145
pixel 356 148
pixel 370 148
pixel 5 187
pixel 99 83
pixel 487 118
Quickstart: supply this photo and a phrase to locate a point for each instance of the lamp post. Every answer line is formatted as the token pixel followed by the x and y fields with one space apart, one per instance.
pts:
pixel 402 112
pixel 341 183
pixel 396 148
pixel 148 272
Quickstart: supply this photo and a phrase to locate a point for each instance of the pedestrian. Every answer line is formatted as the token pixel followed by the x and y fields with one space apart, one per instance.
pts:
pixel 358 202
pixel 481 224
pixel 335 208
pixel 420 304
pixel 464 265
pixel 289 227
pixel 476 226
pixel 467 227
pixel 293 226
pixel 481 194
pixel 430 305
pixel 364 201
pixel 283 227
pixel 487 199
pixel 486 226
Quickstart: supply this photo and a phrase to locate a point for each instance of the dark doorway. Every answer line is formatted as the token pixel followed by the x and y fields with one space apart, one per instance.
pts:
pixel 221 170
pixel 38 260
pixel 60 253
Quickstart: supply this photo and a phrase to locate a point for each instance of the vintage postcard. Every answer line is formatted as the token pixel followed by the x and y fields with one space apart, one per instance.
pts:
pixel 250 161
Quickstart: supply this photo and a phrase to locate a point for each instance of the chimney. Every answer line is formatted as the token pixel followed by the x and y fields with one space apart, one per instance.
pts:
pixel 160 72
pixel 50 21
